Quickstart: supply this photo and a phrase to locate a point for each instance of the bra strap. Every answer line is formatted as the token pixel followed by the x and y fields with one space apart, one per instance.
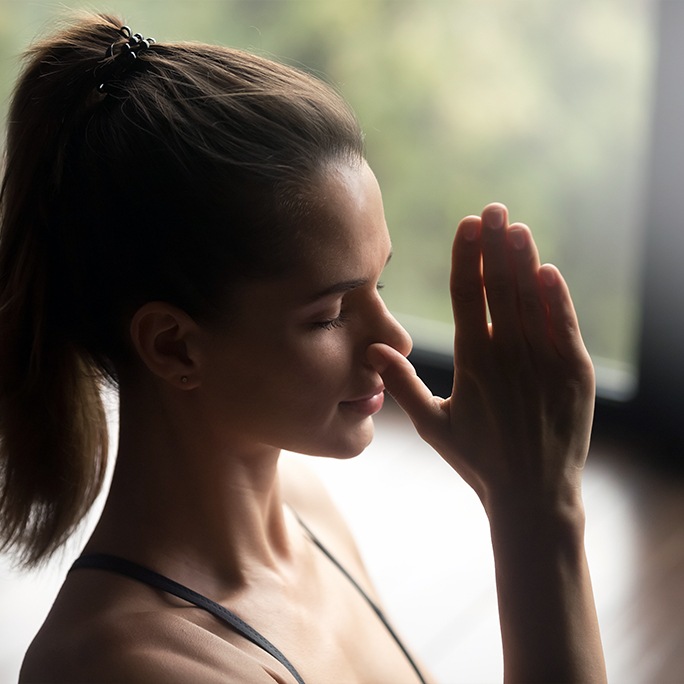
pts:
pixel 121 566
pixel 358 587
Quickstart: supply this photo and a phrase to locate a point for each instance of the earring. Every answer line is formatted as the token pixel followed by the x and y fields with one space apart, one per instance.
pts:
pixel 184 379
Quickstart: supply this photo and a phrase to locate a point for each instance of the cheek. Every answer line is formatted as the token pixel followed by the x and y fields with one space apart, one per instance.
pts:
pixel 289 395
pixel 324 364
pixel 304 369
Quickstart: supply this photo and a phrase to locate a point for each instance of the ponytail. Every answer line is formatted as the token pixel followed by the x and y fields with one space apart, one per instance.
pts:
pixel 168 177
pixel 53 435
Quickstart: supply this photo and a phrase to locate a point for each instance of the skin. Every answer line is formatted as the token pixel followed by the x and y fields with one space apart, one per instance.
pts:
pixel 517 429
pixel 199 488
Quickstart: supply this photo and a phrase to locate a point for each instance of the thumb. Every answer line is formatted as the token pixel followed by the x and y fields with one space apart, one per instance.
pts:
pixel 406 388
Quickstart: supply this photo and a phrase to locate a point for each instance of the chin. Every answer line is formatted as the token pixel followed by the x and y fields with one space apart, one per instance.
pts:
pixel 349 443
pixel 354 442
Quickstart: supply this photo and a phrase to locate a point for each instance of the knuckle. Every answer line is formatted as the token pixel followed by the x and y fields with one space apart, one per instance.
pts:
pixel 498 287
pixel 468 356
pixel 529 303
pixel 465 293
pixel 570 332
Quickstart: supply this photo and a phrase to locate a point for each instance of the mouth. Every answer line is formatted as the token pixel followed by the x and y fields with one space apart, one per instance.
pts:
pixel 367 405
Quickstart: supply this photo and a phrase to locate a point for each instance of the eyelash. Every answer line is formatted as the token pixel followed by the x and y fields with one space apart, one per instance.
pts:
pixel 339 320
pixel 332 323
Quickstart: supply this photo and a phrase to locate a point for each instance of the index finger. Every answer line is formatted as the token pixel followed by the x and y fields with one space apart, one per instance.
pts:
pixel 467 288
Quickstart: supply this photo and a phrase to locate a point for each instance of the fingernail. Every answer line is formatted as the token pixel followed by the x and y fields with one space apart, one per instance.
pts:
pixel 495 217
pixel 518 238
pixel 376 359
pixel 548 276
pixel 470 231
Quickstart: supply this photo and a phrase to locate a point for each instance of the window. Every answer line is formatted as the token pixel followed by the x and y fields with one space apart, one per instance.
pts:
pixel 542 104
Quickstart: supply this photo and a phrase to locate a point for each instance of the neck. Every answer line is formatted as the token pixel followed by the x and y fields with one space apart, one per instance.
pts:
pixel 185 502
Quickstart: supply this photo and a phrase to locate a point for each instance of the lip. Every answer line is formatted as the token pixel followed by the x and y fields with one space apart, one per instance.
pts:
pixel 368 404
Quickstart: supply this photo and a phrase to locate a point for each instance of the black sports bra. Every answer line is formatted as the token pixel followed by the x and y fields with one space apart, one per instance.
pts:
pixel 101 561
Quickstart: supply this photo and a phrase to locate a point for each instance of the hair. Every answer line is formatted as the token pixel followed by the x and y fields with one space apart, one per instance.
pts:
pixel 184 174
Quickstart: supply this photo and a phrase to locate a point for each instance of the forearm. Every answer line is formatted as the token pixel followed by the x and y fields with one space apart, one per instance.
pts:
pixel 546 606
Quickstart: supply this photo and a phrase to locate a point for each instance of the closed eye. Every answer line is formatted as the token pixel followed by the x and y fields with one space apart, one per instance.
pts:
pixel 331 323
pixel 339 320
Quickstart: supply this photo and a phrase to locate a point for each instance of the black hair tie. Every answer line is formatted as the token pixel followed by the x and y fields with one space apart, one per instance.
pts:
pixel 125 57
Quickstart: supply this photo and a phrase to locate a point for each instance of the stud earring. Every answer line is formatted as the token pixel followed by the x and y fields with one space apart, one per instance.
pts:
pixel 184 379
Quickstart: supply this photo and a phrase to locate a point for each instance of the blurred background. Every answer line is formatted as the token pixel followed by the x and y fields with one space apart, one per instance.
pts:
pixel 544 105
pixel 569 111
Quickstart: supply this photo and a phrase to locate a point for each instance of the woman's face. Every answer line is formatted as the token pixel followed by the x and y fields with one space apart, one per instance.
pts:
pixel 290 372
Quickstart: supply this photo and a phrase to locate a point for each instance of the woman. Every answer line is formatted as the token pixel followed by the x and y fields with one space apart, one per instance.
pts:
pixel 199 227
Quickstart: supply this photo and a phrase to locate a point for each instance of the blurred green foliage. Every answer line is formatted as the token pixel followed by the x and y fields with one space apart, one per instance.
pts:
pixel 541 104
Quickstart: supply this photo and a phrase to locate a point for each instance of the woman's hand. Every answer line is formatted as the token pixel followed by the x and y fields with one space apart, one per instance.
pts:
pixel 517 424
pixel 516 428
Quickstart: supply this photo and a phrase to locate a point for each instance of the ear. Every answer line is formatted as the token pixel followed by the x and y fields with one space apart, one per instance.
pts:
pixel 165 338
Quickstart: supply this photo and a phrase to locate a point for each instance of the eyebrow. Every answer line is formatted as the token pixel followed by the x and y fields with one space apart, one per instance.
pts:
pixel 339 288
pixel 344 286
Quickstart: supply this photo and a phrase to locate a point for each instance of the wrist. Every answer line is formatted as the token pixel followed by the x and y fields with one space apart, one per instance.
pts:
pixel 548 619
pixel 537 522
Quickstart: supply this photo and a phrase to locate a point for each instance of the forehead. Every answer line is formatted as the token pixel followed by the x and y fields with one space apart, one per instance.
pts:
pixel 345 234
pixel 342 239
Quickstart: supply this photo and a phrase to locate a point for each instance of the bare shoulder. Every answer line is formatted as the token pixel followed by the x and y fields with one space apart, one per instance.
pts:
pixel 147 646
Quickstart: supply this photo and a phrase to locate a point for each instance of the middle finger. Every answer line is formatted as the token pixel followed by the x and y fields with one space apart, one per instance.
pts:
pixel 499 276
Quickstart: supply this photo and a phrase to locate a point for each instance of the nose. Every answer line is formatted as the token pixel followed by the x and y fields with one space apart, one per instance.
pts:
pixel 388 330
